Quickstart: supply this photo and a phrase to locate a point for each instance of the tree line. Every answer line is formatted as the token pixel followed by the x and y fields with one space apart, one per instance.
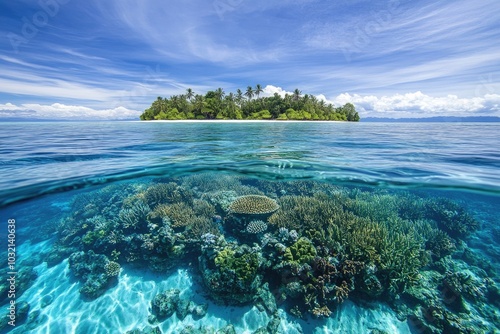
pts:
pixel 247 105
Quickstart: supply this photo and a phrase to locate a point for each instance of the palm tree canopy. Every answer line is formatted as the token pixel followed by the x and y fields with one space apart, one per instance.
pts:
pixel 258 90
pixel 249 92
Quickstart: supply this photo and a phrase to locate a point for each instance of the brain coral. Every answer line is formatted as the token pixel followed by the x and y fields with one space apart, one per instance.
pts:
pixel 253 205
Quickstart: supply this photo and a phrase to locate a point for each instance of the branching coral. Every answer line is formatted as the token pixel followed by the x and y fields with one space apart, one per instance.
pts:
pixel 136 216
pixel 321 312
pixel 200 226
pixel 300 212
pixel 440 244
pixel 464 284
pixel 452 218
pixel 342 292
pixel 162 193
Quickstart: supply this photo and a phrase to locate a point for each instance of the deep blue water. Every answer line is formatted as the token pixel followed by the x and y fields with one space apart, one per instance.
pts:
pixel 42 165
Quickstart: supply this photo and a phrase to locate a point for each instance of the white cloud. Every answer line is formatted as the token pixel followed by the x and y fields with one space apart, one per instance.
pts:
pixel 65 112
pixel 419 104
pixel 415 104
pixel 270 90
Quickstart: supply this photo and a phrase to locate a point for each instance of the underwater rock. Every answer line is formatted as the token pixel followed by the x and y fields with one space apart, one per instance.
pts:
pixel 229 329
pixel 197 311
pixel 164 304
pixel 230 272
pixel 22 310
pixel 46 300
pixel 146 330
pixel 35 319
pixel 182 308
pixel 265 299
pixel 90 269
pixel 60 252
pixel 192 330
pixel 24 278
pixel 272 326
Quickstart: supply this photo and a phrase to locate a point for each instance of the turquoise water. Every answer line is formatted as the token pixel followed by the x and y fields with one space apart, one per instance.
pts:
pixel 365 227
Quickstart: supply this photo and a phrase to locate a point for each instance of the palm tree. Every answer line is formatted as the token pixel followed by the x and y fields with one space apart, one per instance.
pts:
pixel 296 94
pixel 239 96
pixel 219 92
pixel 249 92
pixel 189 94
pixel 258 90
pixel 199 102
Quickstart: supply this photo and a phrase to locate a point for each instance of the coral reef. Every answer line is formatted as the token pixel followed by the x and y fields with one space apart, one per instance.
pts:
pixel 112 269
pixel 313 244
pixel 163 193
pixel 92 271
pixel 452 218
pixel 230 272
pixel 440 244
pixel 165 304
pixel 301 252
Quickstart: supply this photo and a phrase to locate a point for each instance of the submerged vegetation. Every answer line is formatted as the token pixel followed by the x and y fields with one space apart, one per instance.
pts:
pixel 304 246
pixel 248 105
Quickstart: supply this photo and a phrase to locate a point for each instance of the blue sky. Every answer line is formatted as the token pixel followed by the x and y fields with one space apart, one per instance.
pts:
pixel 110 59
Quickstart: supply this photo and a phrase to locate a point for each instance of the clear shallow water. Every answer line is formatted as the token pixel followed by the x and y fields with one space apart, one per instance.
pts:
pixel 115 161
pixel 40 157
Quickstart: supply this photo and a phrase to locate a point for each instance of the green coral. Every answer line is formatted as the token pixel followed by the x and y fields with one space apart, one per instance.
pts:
pixel 162 193
pixel 244 266
pixel 440 244
pixel 452 218
pixel 302 251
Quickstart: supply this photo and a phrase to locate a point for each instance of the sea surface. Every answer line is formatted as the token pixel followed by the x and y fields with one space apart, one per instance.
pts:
pixel 152 227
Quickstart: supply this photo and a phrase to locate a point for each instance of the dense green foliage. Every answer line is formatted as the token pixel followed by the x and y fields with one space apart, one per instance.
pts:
pixel 249 105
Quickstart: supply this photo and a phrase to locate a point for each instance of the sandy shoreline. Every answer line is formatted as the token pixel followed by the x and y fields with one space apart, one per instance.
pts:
pixel 237 121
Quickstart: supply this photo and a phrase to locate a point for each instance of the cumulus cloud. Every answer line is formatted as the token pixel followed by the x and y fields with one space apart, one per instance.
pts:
pixel 416 104
pixel 65 112
pixel 270 90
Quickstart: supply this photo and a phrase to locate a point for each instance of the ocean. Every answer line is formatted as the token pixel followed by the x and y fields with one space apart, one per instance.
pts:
pixel 249 227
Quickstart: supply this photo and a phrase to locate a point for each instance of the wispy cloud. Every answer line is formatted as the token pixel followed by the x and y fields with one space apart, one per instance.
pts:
pixel 122 53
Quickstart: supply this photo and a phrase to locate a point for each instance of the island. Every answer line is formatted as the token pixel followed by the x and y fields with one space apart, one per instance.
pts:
pixel 249 105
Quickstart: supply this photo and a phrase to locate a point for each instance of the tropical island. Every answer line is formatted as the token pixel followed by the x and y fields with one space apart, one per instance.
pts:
pixel 247 106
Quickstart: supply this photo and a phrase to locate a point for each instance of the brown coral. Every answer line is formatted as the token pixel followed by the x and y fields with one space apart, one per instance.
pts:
pixel 253 205
pixel 112 268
